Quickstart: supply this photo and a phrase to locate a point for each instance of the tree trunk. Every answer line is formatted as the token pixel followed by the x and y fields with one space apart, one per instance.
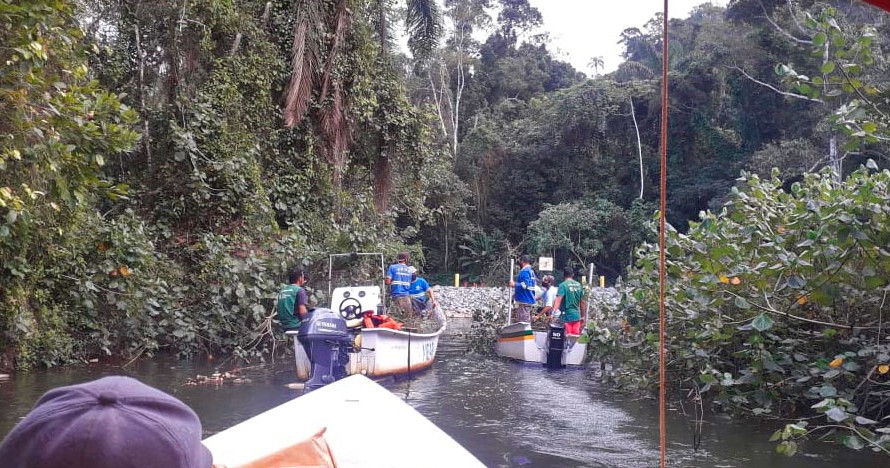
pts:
pixel 639 144
pixel 146 137
pixel 833 161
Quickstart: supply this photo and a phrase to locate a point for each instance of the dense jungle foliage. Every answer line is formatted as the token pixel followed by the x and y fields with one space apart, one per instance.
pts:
pixel 776 296
pixel 164 162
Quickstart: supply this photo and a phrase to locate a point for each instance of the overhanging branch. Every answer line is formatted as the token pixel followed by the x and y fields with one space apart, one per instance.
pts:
pixel 777 90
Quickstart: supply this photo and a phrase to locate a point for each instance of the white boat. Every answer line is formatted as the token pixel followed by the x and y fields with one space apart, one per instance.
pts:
pixel 518 341
pixel 383 351
pixel 366 426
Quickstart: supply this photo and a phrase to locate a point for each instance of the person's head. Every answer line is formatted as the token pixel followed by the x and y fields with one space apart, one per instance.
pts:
pixel 568 272
pixel 110 422
pixel 297 276
pixel 403 257
pixel 525 260
pixel 548 280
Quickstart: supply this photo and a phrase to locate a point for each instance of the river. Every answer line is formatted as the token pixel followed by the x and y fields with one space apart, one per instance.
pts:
pixel 507 414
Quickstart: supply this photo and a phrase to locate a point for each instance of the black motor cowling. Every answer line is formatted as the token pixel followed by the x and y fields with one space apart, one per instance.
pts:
pixel 556 339
pixel 329 345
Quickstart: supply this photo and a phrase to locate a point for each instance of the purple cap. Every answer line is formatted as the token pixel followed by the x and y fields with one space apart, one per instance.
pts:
pixel 111 422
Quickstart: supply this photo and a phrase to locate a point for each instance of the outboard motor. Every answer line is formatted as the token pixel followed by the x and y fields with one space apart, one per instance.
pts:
pixel 329 346
pixel 556 338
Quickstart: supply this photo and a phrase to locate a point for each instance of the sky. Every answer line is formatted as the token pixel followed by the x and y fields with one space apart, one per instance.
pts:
pixel 582 29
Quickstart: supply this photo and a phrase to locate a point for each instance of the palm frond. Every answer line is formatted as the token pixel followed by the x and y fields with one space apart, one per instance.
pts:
pixel 634 70
pixel 341 23
pixel 424 27
pixel 336 132
pixel 304 60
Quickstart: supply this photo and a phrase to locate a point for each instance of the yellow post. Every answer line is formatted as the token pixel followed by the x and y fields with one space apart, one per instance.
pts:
pixel 456 280
pixel 602 281
pixel 583 280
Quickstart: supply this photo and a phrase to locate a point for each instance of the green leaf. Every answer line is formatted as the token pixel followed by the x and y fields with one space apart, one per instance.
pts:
pixel 742 303
pixel 822 404
pixel 798 428
pixel 853 442
pixel 827 68
pixel 762 322
pixel 796 281
pixel 819 39
pixel 837 414
pixel 787 448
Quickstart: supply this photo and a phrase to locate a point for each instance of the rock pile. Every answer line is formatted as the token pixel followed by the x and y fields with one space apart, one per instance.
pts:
pixel 461 302
pixel 604 296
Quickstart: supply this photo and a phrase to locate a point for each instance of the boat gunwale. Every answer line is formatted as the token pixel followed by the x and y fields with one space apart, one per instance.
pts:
pixel 406 333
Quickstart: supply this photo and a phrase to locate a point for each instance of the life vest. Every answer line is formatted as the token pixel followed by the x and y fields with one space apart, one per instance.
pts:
pixel 380 321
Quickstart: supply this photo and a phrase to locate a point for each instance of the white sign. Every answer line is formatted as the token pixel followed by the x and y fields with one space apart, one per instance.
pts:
pixel 545 263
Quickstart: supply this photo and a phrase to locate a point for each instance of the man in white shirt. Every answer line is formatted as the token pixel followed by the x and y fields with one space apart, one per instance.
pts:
pixel 546 295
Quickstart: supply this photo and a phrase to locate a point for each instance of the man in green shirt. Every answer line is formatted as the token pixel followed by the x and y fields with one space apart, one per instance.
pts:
pixel 570 300
pixel 293 303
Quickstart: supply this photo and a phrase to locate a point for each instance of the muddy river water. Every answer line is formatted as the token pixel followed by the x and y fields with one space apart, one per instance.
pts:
pixel 507 414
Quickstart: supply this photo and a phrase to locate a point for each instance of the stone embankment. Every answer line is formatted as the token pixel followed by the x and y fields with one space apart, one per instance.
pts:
pixel 461 302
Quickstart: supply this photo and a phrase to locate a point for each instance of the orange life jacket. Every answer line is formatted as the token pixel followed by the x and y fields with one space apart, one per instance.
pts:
pixel 380 321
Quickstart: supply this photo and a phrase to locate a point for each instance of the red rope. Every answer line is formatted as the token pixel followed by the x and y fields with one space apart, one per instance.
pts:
pixel 662 429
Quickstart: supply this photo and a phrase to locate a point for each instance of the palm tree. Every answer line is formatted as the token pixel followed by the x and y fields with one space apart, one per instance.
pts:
pixel 319 35
pixel 597 64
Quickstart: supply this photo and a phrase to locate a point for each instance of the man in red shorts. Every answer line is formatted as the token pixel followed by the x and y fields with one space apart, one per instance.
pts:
pixel 570 300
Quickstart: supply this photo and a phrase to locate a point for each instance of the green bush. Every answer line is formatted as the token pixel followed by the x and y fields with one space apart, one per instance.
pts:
pixel 775 306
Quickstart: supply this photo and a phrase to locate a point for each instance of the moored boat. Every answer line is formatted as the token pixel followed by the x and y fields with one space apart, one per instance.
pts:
pixel 353 414
pixel 383 352
pixel 378 352
pixel 519 341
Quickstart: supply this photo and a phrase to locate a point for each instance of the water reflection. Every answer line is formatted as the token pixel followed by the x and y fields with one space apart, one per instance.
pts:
pixel 507 414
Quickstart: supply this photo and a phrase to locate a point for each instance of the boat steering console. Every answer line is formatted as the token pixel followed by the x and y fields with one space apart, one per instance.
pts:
pixel 350 308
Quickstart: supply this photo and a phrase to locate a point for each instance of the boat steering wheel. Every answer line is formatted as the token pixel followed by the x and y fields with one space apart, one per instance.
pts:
pixel 348 310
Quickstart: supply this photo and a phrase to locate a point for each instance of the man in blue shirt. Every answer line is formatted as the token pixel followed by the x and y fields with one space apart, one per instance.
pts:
pixel 524 290
pixel 421 295
pixel 398 278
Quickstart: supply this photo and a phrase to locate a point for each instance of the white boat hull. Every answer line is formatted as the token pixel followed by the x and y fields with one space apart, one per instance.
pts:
pixel 352 410
pixel 384 352
pixel 518 341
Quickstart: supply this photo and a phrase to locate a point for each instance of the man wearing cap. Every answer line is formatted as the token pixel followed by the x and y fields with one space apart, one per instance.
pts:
pixel 398 278
pixel 524 289
pixel 570 302
pixel 422 298
pixel 113 422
